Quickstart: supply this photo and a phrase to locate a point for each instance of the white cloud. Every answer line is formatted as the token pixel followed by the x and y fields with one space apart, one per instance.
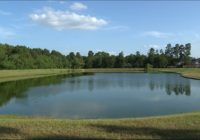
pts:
pixel 77 6
pixel 157 34
pixel 62 20
pixel 5 33
pixel 5 13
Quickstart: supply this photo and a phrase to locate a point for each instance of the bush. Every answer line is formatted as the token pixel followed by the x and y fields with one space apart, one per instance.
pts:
pixel 148 67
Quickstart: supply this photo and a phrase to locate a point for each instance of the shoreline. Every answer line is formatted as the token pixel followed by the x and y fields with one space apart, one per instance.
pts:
pixel 172 126
pixel 13 75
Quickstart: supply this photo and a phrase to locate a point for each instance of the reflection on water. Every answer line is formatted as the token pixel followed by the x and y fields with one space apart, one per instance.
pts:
pixel 100 95
pixel 18 89
pixel 177 87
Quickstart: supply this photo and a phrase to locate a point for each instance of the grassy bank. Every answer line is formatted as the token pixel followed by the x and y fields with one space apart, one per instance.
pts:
pixel 185 126
pixel 193 73
pixel 11 75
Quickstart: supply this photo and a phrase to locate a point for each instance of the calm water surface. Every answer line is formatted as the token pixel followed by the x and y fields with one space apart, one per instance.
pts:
pixel 102 95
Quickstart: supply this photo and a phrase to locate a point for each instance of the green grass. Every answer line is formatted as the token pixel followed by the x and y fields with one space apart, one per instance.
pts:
pixel 185 126
pixel 11 75
pixel 193 73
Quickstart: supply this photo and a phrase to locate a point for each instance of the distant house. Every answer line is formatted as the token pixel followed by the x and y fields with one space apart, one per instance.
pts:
pixel 196 63
pixel 179 64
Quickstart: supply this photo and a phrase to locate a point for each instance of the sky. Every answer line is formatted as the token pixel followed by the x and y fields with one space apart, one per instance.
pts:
pixel 111 26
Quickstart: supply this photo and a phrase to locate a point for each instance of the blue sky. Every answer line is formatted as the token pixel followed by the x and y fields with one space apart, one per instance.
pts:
pixel 111 26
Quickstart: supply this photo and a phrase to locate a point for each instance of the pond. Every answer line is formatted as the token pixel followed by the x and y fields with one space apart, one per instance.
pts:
pixel 101 95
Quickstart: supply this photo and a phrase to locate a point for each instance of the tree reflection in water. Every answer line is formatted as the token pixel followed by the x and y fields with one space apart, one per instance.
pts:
pixel 18 89
pixel 173 84
pixel 177 86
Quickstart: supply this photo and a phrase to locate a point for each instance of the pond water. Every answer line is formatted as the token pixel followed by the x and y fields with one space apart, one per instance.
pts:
pixel 101 95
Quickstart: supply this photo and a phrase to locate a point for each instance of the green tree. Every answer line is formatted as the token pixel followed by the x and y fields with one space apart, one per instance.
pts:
pixel 151 56
pixel 89 60
pixel 187 53
pixel 120 61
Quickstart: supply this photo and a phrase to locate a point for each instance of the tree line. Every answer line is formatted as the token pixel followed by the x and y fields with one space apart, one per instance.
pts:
pixel 22 57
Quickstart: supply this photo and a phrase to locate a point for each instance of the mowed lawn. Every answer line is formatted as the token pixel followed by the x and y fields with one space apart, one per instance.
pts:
pixel 185 126
pixel 185 72
pixel 10 75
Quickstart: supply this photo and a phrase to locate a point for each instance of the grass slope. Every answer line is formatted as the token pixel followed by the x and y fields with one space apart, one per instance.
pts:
pixel 185 126
pixel 193 73
pixel 11 75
